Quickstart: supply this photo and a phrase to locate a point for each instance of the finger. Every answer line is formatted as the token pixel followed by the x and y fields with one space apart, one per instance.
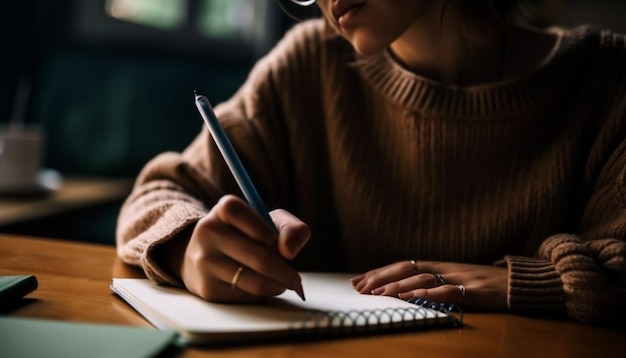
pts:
pixel 415 282
pixel 213 282
pixel 357 279
pixel 235 212
pixel 259 258
pixel 380 277
pixel 254 284
pixel 449 294
pixel 361 282
pixel 293 233
pixel 238 240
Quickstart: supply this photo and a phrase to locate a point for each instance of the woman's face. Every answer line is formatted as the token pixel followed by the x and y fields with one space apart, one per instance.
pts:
pixel 373 25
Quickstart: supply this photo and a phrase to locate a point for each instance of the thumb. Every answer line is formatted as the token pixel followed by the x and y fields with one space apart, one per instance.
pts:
pixel 293 233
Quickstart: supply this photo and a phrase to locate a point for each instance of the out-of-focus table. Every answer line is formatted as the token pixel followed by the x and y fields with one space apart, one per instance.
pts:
pixel 74 281
pixel 75 193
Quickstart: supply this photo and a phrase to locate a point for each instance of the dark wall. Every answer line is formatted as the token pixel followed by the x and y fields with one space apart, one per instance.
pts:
pixel 19 43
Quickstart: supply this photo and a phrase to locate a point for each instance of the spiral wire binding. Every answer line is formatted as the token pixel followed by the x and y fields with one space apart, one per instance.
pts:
pixel 342 323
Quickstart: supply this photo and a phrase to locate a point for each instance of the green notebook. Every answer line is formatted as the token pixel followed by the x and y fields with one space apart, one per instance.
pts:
pixel 26 337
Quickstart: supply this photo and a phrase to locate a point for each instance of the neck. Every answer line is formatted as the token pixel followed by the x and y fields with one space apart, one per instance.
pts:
pixel 435 47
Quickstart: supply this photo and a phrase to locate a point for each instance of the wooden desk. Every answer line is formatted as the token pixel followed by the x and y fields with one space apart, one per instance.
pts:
pixel 74 283
pixel 74 194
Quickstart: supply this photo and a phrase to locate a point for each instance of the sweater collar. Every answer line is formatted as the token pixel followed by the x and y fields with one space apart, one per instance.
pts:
pixel 504 98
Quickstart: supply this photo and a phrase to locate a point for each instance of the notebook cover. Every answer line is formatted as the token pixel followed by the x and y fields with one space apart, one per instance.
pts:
pixel 27 337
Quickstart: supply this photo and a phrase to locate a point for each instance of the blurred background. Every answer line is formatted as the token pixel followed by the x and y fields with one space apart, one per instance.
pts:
pixel 111 81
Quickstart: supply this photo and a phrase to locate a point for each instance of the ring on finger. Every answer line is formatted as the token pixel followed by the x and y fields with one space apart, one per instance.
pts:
pixel 414 265
pixel 233 282
pixel 439 281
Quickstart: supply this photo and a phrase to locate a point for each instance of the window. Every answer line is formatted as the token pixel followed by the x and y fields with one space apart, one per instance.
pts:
pixel 165 14
pixel 229 19
pixel 240 28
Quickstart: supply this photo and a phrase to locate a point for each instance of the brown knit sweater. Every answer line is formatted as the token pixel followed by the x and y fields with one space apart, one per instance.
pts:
pixel 385 165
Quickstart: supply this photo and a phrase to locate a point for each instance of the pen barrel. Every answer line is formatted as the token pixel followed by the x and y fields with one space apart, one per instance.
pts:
pixel 232 159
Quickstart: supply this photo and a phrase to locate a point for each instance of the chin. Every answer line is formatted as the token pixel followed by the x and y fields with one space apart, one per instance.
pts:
pixel 365 46
pixel 366 51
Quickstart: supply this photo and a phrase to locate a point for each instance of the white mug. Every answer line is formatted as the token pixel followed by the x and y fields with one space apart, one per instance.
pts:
pixel 21 152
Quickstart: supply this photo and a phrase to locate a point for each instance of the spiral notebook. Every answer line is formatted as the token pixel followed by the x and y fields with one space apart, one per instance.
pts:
pixel 332 309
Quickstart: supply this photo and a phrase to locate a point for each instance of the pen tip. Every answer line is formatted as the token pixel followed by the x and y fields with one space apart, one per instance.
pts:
pixel 300 292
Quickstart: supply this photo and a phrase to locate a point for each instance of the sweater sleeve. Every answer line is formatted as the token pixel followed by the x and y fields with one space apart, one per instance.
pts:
pixel 592 264
pixel 164 202
pixel 586 280
pixel 583 274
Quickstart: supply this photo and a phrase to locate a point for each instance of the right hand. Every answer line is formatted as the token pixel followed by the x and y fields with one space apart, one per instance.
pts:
pixel 232 235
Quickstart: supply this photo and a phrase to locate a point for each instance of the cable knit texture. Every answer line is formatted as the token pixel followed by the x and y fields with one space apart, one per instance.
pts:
pixel 385 165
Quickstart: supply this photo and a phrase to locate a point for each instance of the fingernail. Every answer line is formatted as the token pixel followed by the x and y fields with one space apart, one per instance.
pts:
pixel 357 284
pixel 356 279
pixel 378 291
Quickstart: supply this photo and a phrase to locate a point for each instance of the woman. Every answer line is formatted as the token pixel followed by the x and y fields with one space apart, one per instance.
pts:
pixel 439 147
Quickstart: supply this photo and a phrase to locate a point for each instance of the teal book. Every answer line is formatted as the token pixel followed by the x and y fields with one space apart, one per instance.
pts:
pixel 27 337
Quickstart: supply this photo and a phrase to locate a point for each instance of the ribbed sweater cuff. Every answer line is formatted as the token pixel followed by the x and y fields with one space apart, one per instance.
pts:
pixel 173 223
pixel 534 287
pixel 154 270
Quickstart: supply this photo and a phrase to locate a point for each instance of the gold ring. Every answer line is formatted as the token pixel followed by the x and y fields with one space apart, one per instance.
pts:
pixel 462 289
pixel 438 280
pixel 233 282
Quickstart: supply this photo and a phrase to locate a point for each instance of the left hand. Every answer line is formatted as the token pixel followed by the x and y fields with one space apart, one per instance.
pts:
pixel 485 286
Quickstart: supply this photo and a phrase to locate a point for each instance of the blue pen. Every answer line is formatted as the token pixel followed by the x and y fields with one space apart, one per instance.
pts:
pixel 235 165
pixel 231 158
